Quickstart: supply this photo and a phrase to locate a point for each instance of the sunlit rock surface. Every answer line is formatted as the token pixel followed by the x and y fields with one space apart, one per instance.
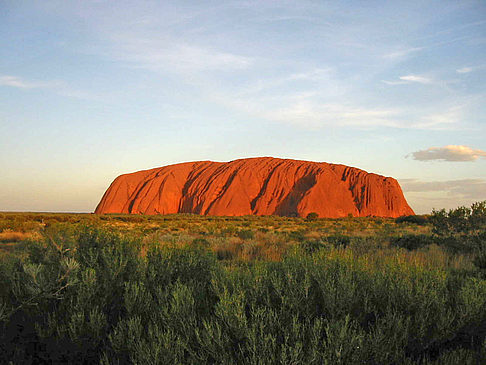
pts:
pixel 260 186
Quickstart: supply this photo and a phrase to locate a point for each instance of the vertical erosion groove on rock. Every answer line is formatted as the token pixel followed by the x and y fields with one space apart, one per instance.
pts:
pixel 260 186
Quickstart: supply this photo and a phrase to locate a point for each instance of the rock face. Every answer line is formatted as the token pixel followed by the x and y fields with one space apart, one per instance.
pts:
pixel 261 186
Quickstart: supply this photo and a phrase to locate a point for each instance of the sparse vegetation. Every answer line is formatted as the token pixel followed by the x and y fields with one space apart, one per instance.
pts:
pixel 186 289
pixel 417 219
pixel 312 216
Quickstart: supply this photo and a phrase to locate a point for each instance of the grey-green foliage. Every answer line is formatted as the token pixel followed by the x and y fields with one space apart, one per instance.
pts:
pixel 92 297
pixel 459 221
pixel 463 229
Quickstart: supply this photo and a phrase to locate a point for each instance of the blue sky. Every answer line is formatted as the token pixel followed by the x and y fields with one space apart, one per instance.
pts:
pixel 93 89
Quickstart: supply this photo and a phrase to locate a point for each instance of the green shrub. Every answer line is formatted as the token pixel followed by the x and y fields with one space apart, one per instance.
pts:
pixel 311 246
pixel 201 242
pixel 338 240
pixel 246 234
pixel 461 229
pixel 411 241
pixel 84 294
pixel 460 221
pixel 480 257
pixel 420 220
pixel 298 235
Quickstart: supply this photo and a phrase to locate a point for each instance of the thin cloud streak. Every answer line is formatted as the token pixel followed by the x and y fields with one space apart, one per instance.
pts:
pixel 454 153
pixel 394 82
pixel 448 194
pixel 310 110
pixel 56 86
pixel 469 69
pixel 446 120
pixel 407 79
pixel 17 82
pixel 313 115
pixel 464 70
pixel 167 55
pixel 403 53
pixel 414 78
pixel 462 188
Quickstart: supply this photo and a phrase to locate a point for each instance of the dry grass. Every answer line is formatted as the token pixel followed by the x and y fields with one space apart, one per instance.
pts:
pixel 12 236
pixel 268 238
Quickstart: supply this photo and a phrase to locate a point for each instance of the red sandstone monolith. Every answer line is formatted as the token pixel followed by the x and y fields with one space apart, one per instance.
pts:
pixel 260 186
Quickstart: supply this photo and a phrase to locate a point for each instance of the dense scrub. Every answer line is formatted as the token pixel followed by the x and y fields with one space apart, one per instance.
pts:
pixel 93 293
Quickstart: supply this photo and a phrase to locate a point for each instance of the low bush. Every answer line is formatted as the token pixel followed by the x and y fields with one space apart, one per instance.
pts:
pixel 461 221
pixel 338 240
pixel 420 220
pixel 312 216
pixel 462 229
pixel 298 235
pixel 87 294
pixel 200 242
pixel 311 246
pixel 480 257
pixel 246 234
pixel 412 241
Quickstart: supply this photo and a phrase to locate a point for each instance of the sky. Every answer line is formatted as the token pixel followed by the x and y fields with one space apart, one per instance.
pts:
pixel 90 90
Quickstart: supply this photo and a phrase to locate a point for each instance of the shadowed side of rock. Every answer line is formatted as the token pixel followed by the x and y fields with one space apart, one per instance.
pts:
pixel 260 186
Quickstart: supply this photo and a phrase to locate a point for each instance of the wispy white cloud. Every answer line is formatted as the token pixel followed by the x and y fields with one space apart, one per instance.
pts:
pixel 268 86
pixel 464 70
pixel 313 79
pixel 423 80
pixel 448 194
pixel 447 119
pixel 468 69
pixel 462 188
pixel 309 110
pixel 402 53
pixel 18 82
pixel 415 78
pixel 456 153
pixel 55 86
pixel 316 108
pixel 309 113
pixel 394 82
pixel 407 79
pixel 168 55
pixel 314 74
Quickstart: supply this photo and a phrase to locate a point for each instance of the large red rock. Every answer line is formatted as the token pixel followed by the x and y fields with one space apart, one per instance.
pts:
pixel 261 186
